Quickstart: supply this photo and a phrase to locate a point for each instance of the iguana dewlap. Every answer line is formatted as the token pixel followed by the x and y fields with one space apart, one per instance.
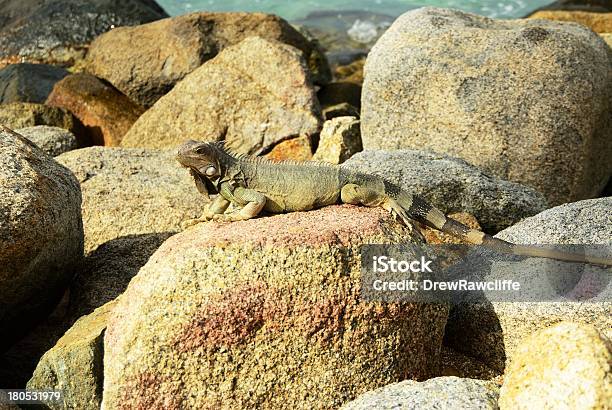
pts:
pixel 254 184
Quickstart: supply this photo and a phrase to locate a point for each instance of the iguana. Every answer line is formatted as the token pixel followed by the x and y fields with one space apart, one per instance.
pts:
pixel 254 184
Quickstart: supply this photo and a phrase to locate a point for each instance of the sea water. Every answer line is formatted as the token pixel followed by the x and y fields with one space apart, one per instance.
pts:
pixel 303 9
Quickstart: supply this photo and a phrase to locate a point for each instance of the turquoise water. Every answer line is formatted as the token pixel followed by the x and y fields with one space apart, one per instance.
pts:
pixel 296 9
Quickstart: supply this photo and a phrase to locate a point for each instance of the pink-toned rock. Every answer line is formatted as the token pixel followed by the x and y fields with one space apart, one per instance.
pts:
pixel 106 113
pixel 265 312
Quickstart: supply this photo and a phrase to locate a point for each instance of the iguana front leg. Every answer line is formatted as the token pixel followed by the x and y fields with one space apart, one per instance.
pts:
pixel 251 202
pixel 218 206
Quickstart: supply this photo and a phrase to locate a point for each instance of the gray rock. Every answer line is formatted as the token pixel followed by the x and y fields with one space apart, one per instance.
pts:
pixel 52 140
pixel 58 30
pixel 433 394
pixel 453 185
pixel 28 82
pixel 492 331
pixel 41 234
pixel 253 94
pixel 132 192
pixel 583 222
pixel 24 115
pixel 145 62
pixel 526 100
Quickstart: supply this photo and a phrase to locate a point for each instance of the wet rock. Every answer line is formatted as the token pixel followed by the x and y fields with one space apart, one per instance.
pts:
pixel 461 84
pixel 41 231
pixel 58 31
pixel 254 95
pixel 279 293
pixel 436 393
pixel 106 113
pixel 28 82
pixel 295 149
pixel 131 192
pixel 564 366
pixel 598 22
pixel 74 364
pixel 492 331
pixel 351 72
pixel 453 185
pixel 340 139
pixel 353 30
pixel 24 115
pixel 52 140
pixel 145 62
pixel 597 6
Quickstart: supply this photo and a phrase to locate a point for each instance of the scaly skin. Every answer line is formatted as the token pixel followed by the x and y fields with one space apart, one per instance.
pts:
pixel 253 184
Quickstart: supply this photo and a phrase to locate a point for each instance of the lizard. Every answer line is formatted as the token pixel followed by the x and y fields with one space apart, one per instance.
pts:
pixel 255 184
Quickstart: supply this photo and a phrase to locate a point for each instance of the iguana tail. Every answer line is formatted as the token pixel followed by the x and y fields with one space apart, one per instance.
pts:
pixel 420 210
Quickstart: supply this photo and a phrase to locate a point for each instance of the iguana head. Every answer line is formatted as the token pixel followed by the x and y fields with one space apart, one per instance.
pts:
pixel 204 162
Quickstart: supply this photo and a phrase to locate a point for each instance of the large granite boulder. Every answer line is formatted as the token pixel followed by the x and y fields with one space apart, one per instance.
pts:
pixel 28 82
pixel 41 234
pixel 453 185
pixel 253 94
pixel 265 312
pixel 433 394
pixel 526 100
pixel 106 113
pixel 491 331
pixel 24 115
pixel 132 192
pixel 52 140
pixel 58 31
pixel 568 365
pixel 146 61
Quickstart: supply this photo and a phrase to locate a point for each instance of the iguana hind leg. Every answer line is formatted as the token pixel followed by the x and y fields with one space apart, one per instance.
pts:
pixel 360 195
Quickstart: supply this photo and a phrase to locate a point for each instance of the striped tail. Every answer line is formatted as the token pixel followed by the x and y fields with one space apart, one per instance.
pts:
pixel 420 210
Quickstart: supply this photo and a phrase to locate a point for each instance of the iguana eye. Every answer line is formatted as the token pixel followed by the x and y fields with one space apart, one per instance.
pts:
pixel 211 171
